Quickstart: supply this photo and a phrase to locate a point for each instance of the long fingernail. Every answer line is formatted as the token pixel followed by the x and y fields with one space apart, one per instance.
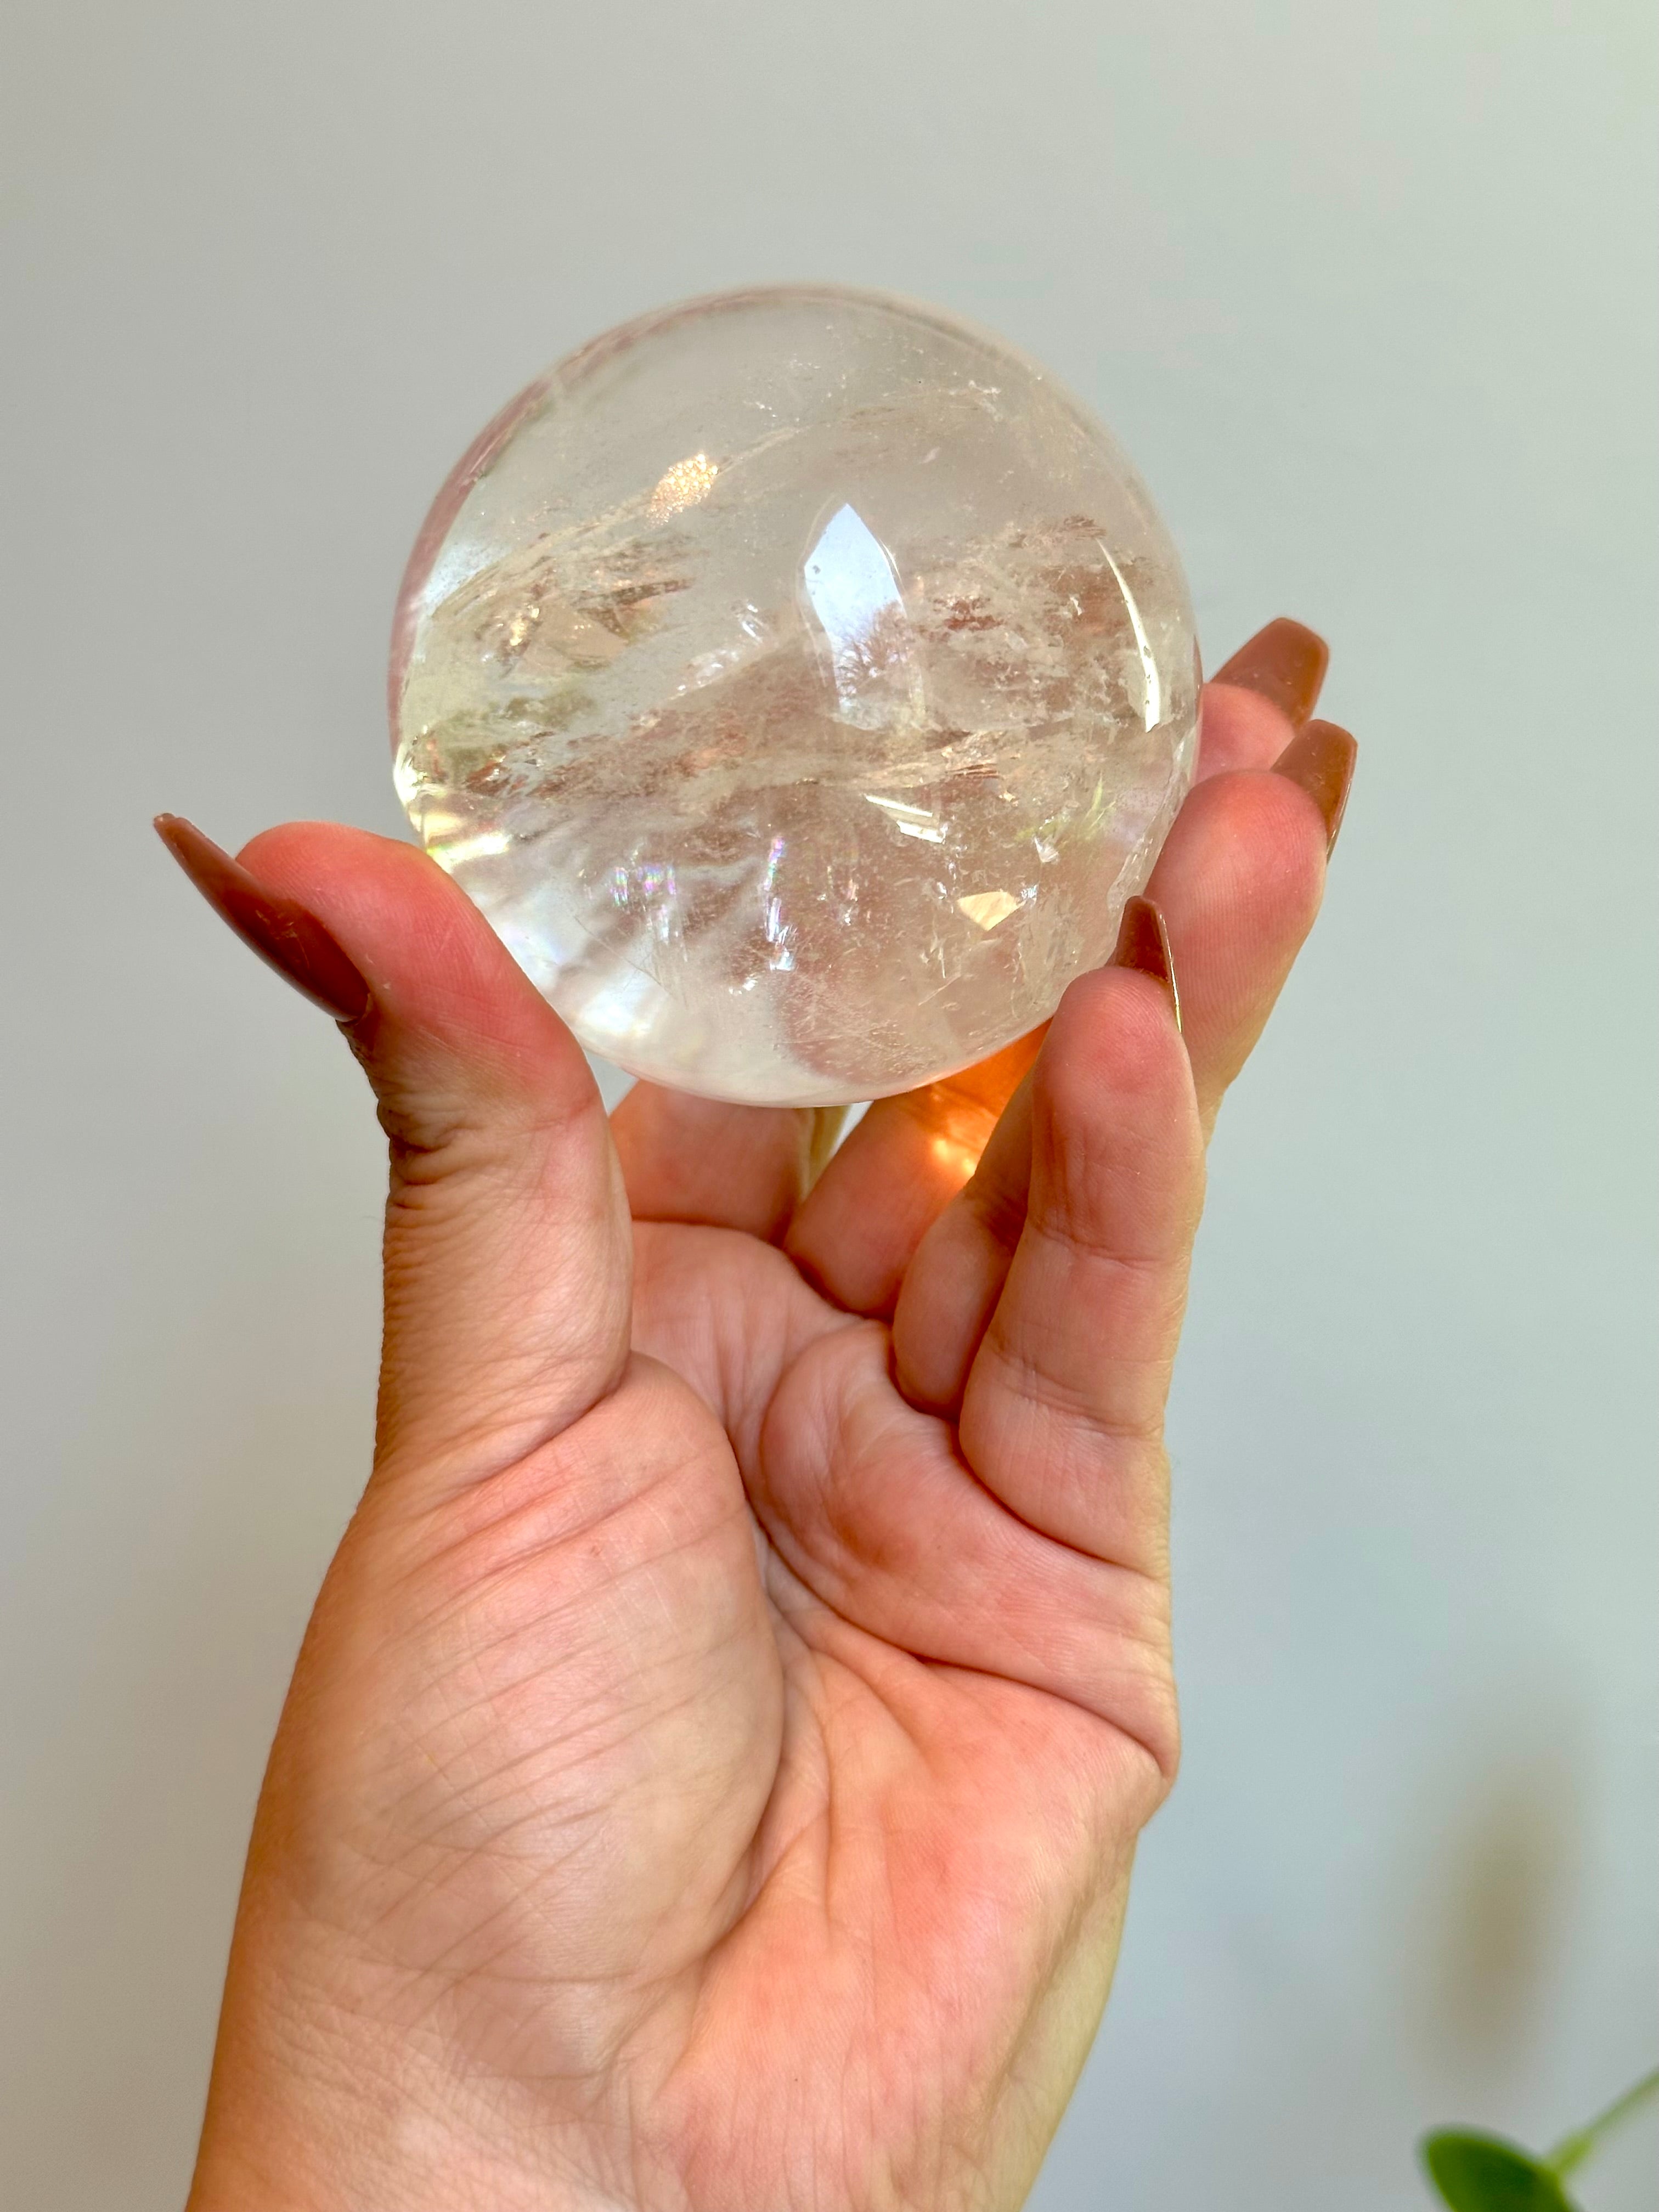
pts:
pixel 1284 663
pixel 284 933
pixel 1142 943
pixel 1320 759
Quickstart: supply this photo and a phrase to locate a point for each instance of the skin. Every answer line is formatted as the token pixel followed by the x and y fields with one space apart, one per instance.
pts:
pixel 712 1773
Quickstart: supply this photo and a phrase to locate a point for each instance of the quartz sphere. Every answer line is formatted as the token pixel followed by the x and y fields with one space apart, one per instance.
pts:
pixel 800 680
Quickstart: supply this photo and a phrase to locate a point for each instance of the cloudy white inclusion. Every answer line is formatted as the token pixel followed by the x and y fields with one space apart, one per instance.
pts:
pixel 1153 693
pixel 779 932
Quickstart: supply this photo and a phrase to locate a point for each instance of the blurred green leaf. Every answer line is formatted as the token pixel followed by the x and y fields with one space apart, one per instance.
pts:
pixel 1483 2173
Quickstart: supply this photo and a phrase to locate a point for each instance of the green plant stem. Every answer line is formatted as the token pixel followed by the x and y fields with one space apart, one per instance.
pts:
pixel 1572 2150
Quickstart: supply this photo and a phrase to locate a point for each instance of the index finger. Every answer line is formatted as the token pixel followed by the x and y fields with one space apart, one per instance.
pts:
pixel 1238 883
pixel 726 1166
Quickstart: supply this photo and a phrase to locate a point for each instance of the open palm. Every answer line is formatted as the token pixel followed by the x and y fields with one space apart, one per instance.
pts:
pixel 712 1774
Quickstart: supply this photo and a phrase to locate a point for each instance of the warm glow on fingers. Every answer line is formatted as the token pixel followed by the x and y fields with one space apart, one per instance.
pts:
pixel 954 1157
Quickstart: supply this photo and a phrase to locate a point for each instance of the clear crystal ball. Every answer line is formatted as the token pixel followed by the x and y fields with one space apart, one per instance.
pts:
pixel 800 680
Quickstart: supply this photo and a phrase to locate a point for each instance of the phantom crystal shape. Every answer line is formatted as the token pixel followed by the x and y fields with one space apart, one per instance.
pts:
pixel 800 681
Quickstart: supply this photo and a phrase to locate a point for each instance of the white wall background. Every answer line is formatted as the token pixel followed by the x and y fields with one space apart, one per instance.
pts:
pixel 1366 289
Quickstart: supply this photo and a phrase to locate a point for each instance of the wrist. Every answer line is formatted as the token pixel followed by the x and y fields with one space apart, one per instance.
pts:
pixel 313 2107
pixel 278 2147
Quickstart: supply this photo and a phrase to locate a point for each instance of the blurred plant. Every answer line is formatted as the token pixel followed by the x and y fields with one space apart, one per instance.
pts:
pixel 1476 2173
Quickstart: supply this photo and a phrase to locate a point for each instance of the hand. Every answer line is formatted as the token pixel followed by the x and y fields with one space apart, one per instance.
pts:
pixel 712 1771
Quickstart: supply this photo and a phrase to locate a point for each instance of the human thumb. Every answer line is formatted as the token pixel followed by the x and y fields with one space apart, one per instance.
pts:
pixel 507 1250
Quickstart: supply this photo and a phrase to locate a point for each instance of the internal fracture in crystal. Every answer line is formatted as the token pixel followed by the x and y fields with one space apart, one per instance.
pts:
pixel 800 681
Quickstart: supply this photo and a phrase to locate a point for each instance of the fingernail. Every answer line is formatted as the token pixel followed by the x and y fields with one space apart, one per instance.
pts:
pixel 1320 759
pixel 1284 663
pixel 1142 943
pixel 285 934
